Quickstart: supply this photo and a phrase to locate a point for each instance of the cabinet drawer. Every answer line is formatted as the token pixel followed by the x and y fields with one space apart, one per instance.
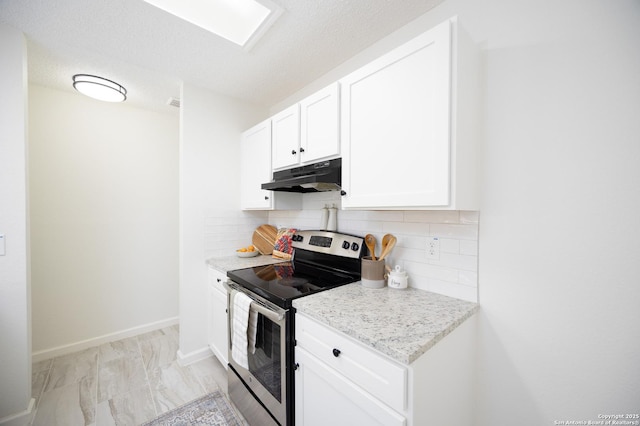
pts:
pixel 379 376
pixel 216 280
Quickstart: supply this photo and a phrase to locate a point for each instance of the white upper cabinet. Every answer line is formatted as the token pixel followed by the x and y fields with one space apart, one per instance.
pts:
pixel 407 127
pixel 319 125
pixel 255 167
pixel 286 138
pixel 308 131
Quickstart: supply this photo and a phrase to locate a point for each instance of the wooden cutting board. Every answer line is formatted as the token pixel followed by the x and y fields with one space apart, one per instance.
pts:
pixel 264 238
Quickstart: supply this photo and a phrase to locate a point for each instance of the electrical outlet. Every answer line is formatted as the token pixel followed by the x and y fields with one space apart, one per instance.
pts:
pixel 433 248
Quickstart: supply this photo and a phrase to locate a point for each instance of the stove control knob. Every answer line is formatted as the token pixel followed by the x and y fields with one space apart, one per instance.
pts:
pixel 355 246
pixel 346 245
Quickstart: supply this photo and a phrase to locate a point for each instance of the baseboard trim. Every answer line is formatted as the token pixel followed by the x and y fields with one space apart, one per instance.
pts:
pixel 195 356
pixel 20 419
pixel 96 341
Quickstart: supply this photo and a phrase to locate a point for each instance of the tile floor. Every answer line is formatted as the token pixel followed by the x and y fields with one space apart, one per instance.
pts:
pixel 126 382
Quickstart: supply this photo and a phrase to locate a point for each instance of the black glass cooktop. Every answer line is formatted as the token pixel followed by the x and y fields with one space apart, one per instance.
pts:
pixel 281 283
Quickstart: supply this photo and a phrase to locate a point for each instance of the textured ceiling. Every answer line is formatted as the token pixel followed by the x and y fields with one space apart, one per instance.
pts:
pixel 150 52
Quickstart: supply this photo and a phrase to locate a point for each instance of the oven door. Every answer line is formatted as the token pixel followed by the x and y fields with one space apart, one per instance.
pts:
pixel 265 376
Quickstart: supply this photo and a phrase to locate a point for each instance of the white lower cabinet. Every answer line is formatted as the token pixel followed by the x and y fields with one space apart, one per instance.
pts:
pixel 325 397
pixel 340 381
pixel 360 386
pixel 217 330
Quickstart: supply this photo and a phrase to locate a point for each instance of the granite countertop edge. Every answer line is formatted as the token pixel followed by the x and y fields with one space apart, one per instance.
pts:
pixel 409 332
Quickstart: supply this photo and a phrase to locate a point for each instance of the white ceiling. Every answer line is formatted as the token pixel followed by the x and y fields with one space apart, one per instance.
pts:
pixel 150 52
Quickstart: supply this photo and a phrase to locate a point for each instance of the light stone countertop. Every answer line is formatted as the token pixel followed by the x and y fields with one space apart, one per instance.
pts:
pixel 402 324
pixel 231 263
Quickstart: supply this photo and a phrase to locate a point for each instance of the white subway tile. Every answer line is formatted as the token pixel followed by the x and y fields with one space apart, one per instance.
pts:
pixel 463 232
pixel 469 247
pixel 432 216
pixel 454 274
pixel 468 278
pixel 414 242
pixel 457 261
pixel 448 245
pixel 432 271
pixel 421 229
pixel 363 227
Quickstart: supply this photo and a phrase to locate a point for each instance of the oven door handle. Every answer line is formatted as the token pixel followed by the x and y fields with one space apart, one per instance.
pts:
pixel 273 316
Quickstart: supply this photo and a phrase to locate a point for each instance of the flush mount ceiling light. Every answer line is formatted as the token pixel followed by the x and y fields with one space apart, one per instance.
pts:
pixel 240 21
pixel 99 88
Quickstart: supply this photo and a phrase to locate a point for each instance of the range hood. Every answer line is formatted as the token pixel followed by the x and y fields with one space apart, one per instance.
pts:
pixel 317 177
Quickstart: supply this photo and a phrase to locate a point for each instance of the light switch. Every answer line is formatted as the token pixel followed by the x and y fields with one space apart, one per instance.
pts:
pixel 2 245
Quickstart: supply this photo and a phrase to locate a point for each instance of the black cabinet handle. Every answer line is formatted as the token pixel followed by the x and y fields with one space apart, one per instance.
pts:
pixel 218 279
pixel 301 149
pixel 293 152
pixel 343 192
pixel 336 352
pixel 266 198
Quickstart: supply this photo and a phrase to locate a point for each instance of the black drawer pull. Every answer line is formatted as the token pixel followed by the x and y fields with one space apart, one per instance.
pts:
pixel 336 353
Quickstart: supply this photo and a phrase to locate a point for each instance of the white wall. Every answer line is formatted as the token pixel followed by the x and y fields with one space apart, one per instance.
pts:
pixel 104 228
pixel 559 234
pixel 559 240
pixel 15 324
pixel 209 200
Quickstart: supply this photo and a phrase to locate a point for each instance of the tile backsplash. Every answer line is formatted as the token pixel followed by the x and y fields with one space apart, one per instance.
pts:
pixel 454 273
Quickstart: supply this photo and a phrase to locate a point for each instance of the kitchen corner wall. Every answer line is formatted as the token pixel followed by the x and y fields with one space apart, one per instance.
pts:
pixel 454 274
pixel 209 201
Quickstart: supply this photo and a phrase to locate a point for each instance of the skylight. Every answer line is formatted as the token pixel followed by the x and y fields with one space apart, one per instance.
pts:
pixel 240 21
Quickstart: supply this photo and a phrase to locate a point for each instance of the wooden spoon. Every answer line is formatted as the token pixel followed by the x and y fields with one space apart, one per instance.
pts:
pixel 385 240
pixel 370 241
pixel 390 245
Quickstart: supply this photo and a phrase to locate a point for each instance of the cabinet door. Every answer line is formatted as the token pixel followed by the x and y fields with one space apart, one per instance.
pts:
pixel 255 167
pixel 220 331
pixel 324 397
pixel 218 324
pixel 395 118
pixel 319 125
pixel 286 138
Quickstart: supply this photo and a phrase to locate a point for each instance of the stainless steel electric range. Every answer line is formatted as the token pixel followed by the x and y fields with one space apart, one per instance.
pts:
pixel 261 384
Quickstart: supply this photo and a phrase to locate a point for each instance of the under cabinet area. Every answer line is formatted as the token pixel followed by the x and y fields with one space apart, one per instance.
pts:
pixel 217 327
pixel 411 116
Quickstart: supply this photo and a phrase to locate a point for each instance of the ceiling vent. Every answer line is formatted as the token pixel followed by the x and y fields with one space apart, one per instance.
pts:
pixel 174 102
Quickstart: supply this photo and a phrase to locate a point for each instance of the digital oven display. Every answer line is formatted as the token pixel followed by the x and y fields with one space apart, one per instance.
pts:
pixel 320 241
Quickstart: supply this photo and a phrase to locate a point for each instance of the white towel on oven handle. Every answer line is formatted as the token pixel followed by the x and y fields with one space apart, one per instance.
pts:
pixel 239 341
pixel 252 330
